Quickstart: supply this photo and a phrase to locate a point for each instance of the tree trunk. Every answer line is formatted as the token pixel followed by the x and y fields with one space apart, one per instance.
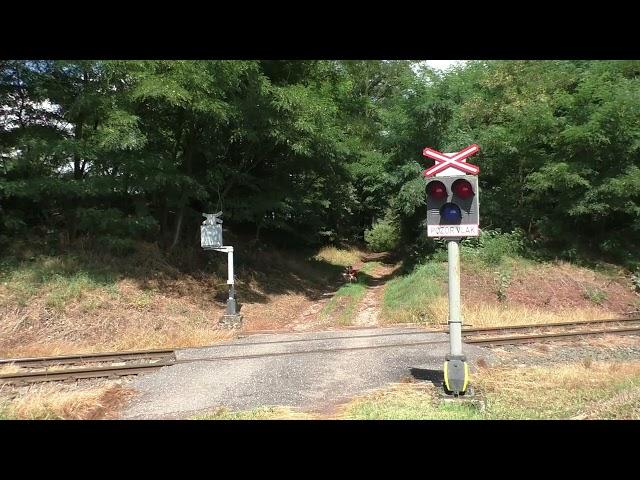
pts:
pixel 176 235
pixel 77 168
pixel 183 200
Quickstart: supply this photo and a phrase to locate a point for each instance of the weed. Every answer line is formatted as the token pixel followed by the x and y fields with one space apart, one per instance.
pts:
pixel 493 246
pixel 587 362
pixel 595 295
pixel 635 280
pixel 501 281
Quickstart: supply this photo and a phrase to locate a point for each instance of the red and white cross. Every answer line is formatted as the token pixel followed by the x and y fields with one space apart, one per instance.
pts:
pixel 453 160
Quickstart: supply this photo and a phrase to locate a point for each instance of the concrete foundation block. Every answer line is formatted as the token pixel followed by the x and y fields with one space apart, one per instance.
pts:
pixel 231 321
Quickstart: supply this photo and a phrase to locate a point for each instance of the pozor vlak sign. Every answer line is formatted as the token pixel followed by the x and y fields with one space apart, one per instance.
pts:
pixel 452 194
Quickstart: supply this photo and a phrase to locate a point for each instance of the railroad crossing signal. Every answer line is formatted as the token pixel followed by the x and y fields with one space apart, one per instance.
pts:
pixel 453 207
pixel 452 197
pixel 453 212
pixel 211 239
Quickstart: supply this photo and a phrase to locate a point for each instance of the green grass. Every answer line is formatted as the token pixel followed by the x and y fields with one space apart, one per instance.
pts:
pixel 407 298
pixel 342 306
pixel 62 279
pixel 408 404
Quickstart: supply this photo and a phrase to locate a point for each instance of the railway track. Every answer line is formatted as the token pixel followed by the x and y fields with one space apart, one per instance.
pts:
pixel 95 365
pixel 116 364
pixel 523 334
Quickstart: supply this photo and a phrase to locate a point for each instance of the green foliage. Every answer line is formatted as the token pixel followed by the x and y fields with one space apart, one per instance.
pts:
pixel 493 246
pixel 501 281
pixel 315 151
pixel 382 236
pixel 116 245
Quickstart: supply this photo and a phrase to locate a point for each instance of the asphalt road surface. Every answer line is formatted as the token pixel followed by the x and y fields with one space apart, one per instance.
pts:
pixel 312 371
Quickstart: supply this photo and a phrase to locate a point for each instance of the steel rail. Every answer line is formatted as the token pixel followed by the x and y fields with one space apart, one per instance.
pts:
pixel 465 331
pixel 519 339
pixel 87 358
pixel 80 373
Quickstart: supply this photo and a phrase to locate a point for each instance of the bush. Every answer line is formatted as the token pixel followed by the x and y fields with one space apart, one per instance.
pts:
pixel 117 246
pixel 493 246
pixel 383 236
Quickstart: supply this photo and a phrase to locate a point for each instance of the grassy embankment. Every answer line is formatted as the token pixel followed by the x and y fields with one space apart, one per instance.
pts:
pixel 499 287
pixel 90 301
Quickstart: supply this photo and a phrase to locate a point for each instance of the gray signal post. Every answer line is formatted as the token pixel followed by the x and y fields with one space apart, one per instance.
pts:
pixel 211 239
pixel 453 213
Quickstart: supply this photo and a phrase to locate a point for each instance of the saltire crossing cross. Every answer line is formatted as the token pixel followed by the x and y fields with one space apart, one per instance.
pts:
pixel 454 160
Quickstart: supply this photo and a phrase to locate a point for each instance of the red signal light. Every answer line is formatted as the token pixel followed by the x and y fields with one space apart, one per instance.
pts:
pixel 462 188
pixel 437 190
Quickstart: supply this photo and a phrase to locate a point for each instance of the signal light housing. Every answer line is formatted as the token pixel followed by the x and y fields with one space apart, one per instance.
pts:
pixel 462 188
pixel 453 206
pixel 436 190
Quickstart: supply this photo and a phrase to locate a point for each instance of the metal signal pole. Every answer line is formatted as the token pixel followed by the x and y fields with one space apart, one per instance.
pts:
pixel 455 319
pixel 456 370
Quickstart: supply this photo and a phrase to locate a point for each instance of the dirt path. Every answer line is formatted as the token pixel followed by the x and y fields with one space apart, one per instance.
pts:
pixel 309 316
pixel 369 308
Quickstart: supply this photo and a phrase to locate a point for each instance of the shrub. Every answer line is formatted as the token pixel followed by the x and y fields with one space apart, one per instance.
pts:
pixel 501 281
pixel 117 246
pixel 384 235
pixel 595 295
pixel 493 246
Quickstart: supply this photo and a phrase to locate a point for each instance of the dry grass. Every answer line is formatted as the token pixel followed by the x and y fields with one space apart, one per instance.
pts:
pixel 262 413
pixel 488 315
pixel 55 306
pixel 576 390
pixel 130 339
pixel 59 402
pixel 9 368
pixel 341 257
pixel 87 303
pixel 587 390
